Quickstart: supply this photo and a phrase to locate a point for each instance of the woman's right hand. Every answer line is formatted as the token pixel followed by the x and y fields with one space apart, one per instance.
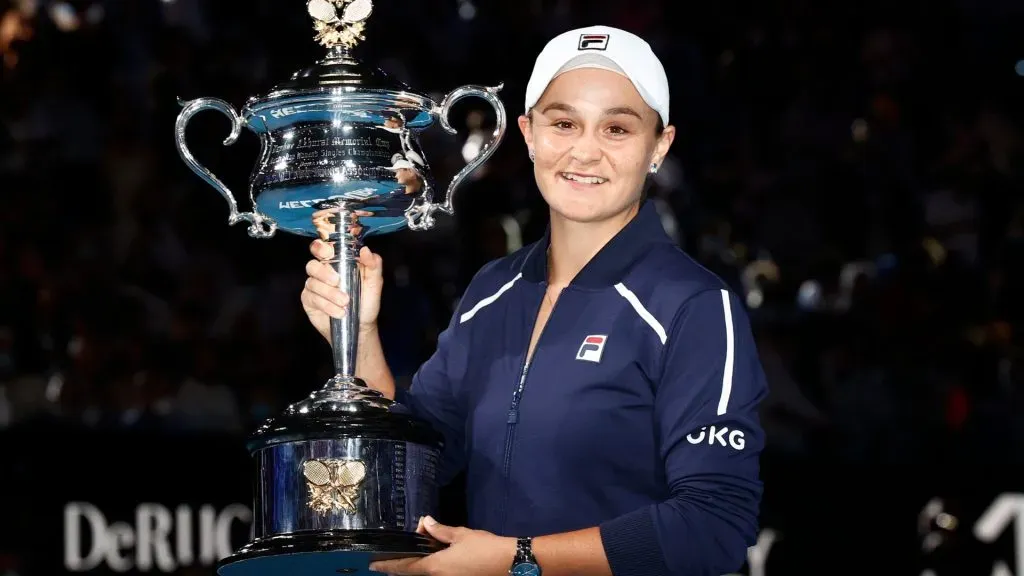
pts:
pixel 322 299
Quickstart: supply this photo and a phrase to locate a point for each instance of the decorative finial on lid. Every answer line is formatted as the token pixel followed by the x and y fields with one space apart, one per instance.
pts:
pixel 344 30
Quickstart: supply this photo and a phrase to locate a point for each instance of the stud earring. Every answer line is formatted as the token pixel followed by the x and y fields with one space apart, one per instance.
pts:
pixel 654 168
pixel 532 157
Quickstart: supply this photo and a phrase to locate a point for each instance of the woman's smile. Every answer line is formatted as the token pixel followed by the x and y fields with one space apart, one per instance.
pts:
pixel 581 181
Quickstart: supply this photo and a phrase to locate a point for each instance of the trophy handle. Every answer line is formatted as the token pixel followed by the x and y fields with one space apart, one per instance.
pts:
pixel 424 217
pixel 260 225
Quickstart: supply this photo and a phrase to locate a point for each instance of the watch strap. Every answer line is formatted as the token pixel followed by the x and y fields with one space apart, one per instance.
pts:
pixel 524 557
pixel 524 551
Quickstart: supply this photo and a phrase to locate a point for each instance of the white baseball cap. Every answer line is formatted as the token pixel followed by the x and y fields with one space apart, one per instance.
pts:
pixel 608 49
pixel 408 161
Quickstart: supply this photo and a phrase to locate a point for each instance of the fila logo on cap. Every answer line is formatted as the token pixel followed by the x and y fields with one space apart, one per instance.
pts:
pixel 593 42
pixel 592 348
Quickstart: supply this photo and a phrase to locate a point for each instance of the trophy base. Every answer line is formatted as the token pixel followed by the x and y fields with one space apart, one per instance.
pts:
pixel 328 553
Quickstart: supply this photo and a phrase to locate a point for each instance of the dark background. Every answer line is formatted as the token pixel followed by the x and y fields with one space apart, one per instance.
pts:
pixel 141 337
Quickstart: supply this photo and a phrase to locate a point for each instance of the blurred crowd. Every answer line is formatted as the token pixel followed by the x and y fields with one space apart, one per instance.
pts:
pixel 852 168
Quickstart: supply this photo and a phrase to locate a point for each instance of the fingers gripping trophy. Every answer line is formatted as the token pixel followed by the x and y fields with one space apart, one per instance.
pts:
pixel 342 476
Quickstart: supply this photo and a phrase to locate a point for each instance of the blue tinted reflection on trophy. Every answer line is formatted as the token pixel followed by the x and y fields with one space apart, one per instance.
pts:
pixel 341 476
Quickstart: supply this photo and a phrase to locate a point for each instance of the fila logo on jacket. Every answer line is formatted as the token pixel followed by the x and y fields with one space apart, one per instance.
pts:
pixel 592 348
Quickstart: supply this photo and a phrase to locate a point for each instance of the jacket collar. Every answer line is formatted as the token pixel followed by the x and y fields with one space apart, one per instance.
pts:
pixel 611 263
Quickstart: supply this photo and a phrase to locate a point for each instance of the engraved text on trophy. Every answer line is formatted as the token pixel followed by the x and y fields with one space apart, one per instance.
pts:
pixel 316 154
pixel 333 484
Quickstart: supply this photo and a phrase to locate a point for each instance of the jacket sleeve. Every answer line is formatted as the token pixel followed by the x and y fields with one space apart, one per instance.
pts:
pixel 705 412
pixel 433 396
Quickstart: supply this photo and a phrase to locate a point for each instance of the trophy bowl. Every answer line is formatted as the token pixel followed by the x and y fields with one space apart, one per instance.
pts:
pixel 341 477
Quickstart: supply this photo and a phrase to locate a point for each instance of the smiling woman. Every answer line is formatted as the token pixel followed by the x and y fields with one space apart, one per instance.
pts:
pixel 593 140
pixel 595 126
pixel 622 439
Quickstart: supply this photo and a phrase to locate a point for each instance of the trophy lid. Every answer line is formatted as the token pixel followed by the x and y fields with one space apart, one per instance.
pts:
pixel 339 69
pixel 339 26
pixel 349 411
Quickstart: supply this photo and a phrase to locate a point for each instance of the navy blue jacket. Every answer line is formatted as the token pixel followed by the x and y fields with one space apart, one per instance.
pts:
pixel 637 414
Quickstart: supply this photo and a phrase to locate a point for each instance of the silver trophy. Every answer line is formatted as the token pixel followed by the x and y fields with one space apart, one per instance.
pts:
pixel 342 476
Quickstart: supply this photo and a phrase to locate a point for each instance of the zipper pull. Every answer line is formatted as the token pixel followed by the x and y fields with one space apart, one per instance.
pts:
pixel 513 416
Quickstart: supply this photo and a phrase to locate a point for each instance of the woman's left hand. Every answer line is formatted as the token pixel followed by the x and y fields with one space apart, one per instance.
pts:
pixel 469 552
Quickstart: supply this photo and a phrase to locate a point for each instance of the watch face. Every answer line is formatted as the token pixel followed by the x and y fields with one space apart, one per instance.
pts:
pixel 525 569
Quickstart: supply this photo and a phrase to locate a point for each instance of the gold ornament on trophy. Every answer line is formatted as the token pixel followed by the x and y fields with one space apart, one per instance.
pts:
pixel 339 22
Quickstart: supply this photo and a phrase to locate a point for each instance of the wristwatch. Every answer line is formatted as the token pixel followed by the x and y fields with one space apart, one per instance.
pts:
pixel 524 564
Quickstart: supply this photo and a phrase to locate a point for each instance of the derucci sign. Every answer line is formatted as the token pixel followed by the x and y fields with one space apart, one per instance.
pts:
pixel 156 538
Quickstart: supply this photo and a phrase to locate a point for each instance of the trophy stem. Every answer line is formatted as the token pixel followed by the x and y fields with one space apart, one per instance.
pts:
pixel 345 330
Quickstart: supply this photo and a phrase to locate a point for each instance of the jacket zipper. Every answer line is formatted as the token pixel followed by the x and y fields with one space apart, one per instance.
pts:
pixel 517 395
pixel 513 413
